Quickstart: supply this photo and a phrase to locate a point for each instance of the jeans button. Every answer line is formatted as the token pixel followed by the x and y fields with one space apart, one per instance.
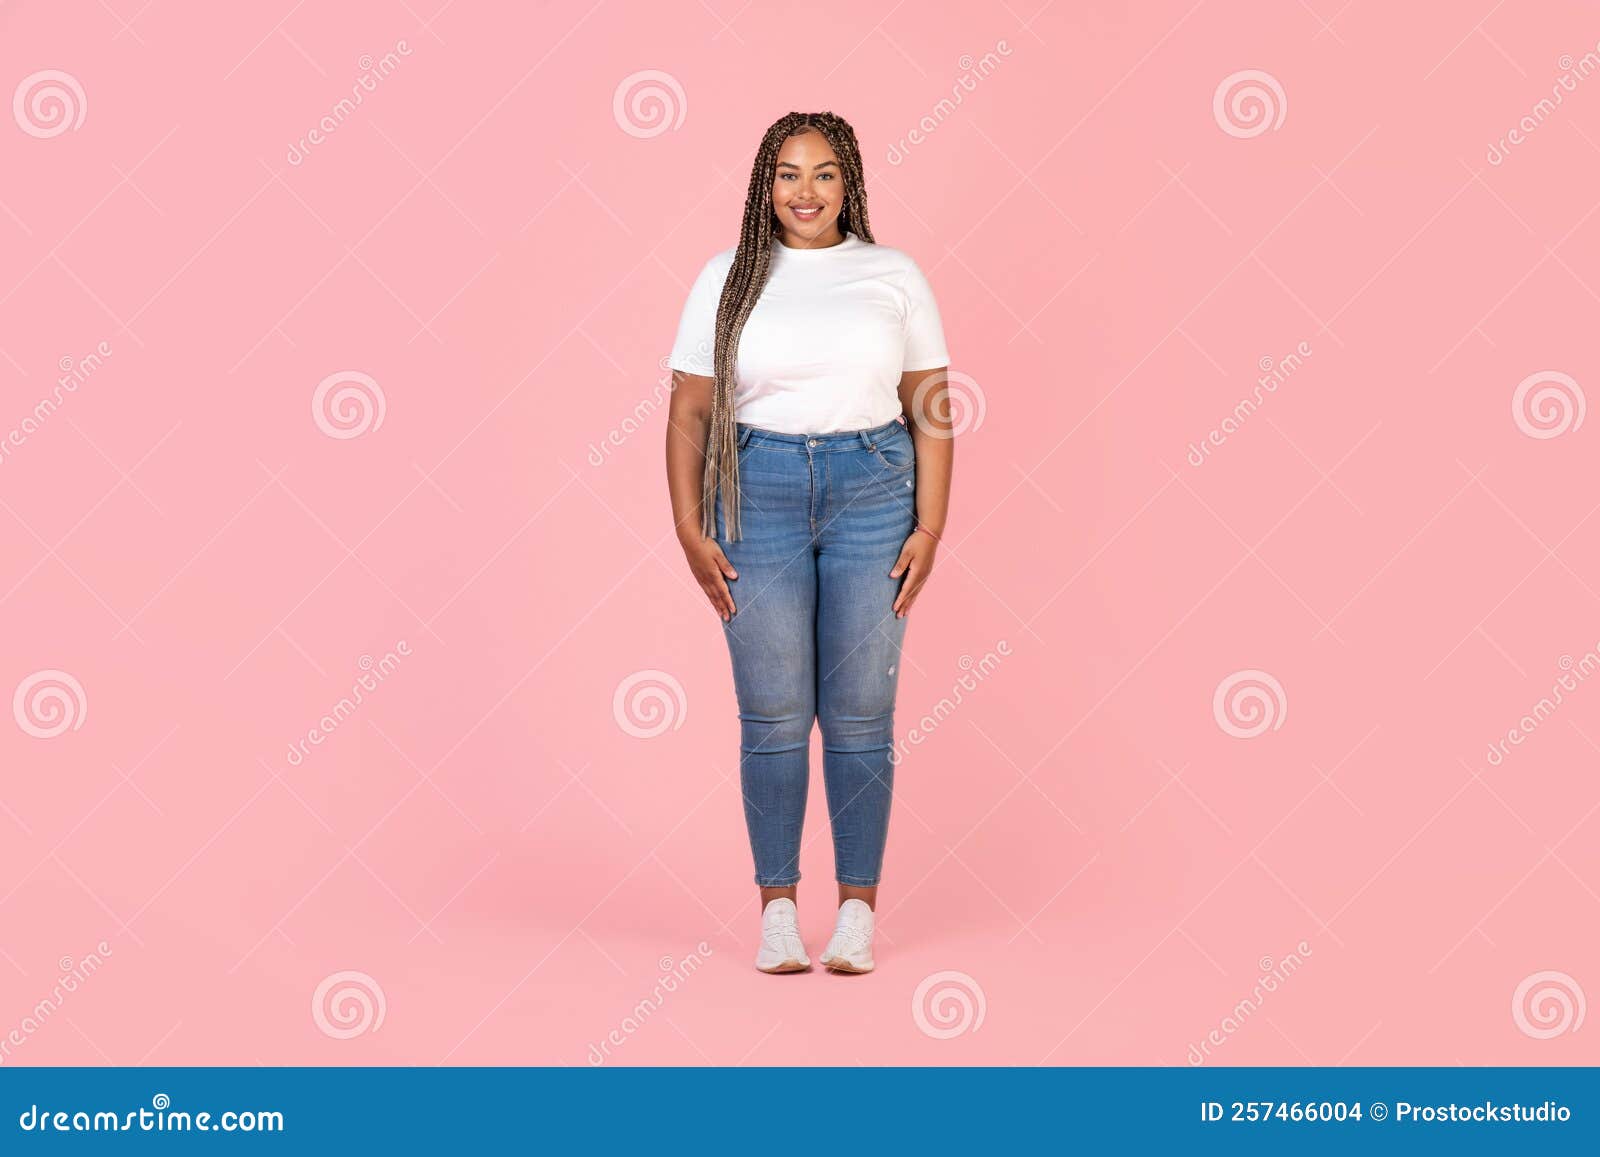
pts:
pixel 813 442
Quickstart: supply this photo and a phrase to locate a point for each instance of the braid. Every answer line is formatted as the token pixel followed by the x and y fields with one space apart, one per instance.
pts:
pixel 748 276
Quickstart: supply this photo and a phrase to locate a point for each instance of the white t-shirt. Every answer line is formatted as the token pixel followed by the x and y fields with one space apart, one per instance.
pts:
pixel 825 346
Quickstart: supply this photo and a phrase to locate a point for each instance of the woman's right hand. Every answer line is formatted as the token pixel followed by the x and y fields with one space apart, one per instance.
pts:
pixel 712 570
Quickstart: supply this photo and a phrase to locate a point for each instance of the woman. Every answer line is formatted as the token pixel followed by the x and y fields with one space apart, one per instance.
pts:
pixel 809 513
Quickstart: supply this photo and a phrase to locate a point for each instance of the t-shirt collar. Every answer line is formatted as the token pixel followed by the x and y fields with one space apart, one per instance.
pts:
pixel 850 242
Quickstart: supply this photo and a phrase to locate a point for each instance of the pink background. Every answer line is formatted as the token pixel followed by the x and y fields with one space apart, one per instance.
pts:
pixel 484 840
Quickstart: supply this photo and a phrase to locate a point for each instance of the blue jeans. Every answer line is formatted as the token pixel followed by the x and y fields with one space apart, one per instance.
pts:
pixel 814 636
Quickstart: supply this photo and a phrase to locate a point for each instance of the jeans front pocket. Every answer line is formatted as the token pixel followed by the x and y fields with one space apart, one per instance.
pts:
pixel 895 450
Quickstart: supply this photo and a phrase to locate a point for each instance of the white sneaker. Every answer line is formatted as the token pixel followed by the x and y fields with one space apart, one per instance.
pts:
pixel 781 949
pixel 850 948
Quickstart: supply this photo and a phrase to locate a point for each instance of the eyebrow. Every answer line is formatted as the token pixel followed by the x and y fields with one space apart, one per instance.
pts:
pixel 823 165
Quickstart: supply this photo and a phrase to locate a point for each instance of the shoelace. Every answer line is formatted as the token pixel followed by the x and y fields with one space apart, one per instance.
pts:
pixel 782 937
pixel 851 939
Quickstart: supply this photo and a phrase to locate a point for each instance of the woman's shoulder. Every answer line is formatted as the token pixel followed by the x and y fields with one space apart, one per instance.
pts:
pixel 890 257
pixel 721 261
pixel 895 264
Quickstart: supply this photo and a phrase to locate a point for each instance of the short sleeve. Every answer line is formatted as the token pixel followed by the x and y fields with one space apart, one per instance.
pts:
pixel 925 347
pixel 693 352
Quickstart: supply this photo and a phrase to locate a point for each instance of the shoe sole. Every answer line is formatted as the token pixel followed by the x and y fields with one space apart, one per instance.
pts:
pixel 845 966
pixel 786 966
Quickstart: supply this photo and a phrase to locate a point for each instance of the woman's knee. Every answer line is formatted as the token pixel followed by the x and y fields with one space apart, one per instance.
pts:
pixel 862 727
pixel 777 723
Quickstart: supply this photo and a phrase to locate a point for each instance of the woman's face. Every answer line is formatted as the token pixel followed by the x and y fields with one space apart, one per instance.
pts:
pixel 808 190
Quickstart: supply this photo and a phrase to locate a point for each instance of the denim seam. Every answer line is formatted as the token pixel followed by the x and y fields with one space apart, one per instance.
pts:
pixel 827 492
pixel 878 454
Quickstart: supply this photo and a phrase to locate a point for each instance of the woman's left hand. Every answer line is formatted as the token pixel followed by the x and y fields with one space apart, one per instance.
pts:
pixel 916 563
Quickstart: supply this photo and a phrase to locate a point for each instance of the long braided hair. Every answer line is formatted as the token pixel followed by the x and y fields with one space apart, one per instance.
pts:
pixel 746 279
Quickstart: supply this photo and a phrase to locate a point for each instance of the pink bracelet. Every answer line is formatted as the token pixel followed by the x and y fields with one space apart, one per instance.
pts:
pixel 926 531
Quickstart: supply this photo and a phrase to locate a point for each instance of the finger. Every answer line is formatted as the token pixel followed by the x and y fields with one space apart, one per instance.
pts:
pixel 901 563
pixel 909 597
pixel 715 597
pixel 725 566
pixel 908 590
pixel 725 599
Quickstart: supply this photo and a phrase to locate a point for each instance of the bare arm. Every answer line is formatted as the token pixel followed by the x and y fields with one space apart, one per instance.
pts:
pixel 688 424
pixel 923 398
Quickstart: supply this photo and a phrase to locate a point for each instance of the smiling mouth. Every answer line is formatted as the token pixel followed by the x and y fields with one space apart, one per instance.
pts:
pixel 810 214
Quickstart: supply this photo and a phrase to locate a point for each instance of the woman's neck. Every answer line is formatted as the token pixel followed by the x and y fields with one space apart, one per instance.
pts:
pixel 789 241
